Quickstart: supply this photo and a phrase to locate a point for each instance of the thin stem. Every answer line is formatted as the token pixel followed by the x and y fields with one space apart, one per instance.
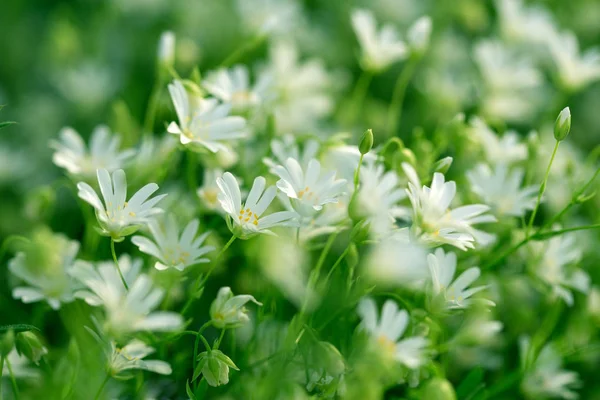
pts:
pixel 220 339
pixel 13 381
pixel 360 92
pixel 395 110
pixel 114 255
pixel 197 342
pixel 205 342
pixel 325 251
pixel 101 388
pixel 338 262
pixel 1 369
pixel 152 107
pixel 241 51
pixel 357 172
pixel 201 280
pixel 547 235
pixel 542 190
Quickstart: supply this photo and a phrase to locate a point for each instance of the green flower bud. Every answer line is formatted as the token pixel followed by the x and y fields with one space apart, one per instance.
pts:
pixel 7 342
pixel 228 311
pixel 366 142
pixel 562 126
pixel 214 366
pixel 29 345
pixel 443 165
pixel 360 231
pixel 438 389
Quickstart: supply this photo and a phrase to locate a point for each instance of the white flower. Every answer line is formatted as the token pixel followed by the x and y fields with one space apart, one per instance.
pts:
pixel 505 150
pixel 203 122
pixel 269 16
pixel 387 329
pixel 245 220
pixel 419 33
pixel 308 191
pixel 524 24
pixel 330 219
pixel 344 159
pixel 301 90
pixel 575 70
pixel 433 220
pixel 228 311
pixel 455 294
pixel 378 197
pixel 166 48
pixel 117 217
pixel 126 311
pixel 172 248
pixel 547 378
pixel 71 152
pixel 44 268
pixel 287 147
pixel 209 191
pixel 555 267
pixel 131 356
pixel 232 86
pixel 381 48
pixel 502 190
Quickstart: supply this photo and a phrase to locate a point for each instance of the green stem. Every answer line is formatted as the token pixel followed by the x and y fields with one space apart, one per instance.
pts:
pixel 357 172
pixel 360 92
pixel 197 342
pixel 101 388
pixel 152 106
pixel 220 339
pixel 13 381
pixel 114 255
pixel 337 263
pixel 205 342
pixel 547 235
pixel 241 51
pixel 395 110
pixel 1 369
pixel 325 251
pixel 200 280
pixel 542 335
pixel 542 190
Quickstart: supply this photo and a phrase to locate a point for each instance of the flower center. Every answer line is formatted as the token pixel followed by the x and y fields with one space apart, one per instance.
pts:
pixel 176 255
pixel 386 344
pixel 247 216
pixel 307 194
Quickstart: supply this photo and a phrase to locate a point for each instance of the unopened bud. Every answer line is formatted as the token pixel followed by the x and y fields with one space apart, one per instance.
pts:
pixel 29 345
pixel 562 126
pixel 419 34
pixel 366 142
pixel 439 389
pixel 166 49
pixel 442 166
pixel 7 342
pixel 214 366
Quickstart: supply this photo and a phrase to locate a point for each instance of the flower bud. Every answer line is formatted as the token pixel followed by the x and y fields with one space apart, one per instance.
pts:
pixel 438 389
pixel 214 366
pixel 360 231
pixel 562 126
pixel 166 49
pixel 29 345
pixel 366 142
pixel 419 34
pixel 228 311
pixel 7 341
pixel 442 166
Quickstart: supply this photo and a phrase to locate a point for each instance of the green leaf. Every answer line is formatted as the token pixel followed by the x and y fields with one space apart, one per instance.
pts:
pixel 189 392
pixel 198 369
pixel 18 328
pixel 472 384
pixel 6 123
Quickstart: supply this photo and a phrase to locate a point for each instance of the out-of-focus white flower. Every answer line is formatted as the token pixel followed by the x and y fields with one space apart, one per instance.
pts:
pixel 87 85
pixel 308 191
pixel 172 248
pixel 575 70
pixel 503 70
pixel 503 150
pixel 378 197
pixel 269 16
pixel 501 189
pixel 380 49
pixel 344 160
pixel 166 48
pixel 71 152
pixel 547 378
pixel 232 86
pixel 302 91
pixel 203 122
pixel 44 268
pixel 433 220
pixel 287 147
pixel 20 366
pixel 388 328
pixel 524 24
pixel 419 33
pixel 209 191
pixel 245 220
pixel 398 261
pixel 126 311
pixel 455 294
pixel 15 165
pixel 122 360
pixel 118 217
pixel 330 219
pixel 228 311
pixel 556 266
pixel 152 152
